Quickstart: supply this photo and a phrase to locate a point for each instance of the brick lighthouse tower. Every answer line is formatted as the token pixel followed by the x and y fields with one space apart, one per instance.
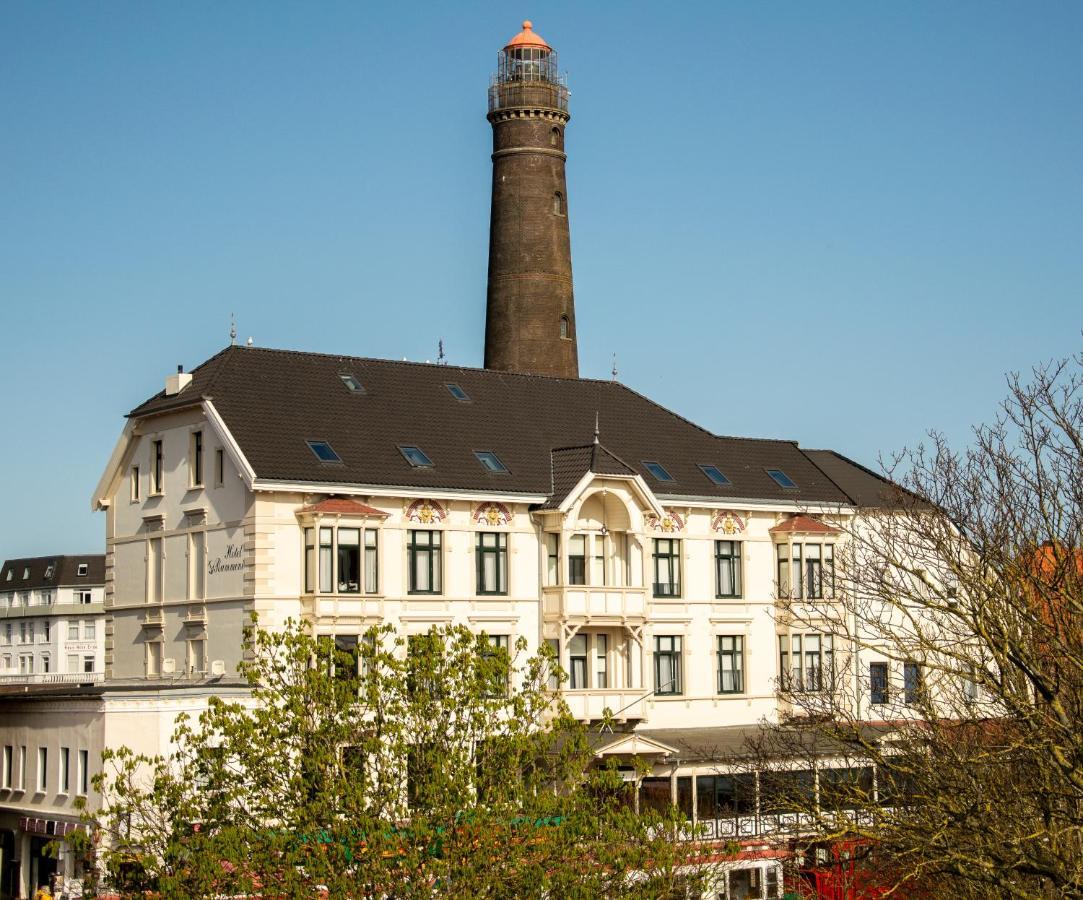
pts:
pixel 530 311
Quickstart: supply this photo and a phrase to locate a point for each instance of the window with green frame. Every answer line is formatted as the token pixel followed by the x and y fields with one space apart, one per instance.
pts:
pixel 492 562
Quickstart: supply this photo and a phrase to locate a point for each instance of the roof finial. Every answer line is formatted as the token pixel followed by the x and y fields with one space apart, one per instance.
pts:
pixel 614 366
pixel 232 329
pixel 596 431
pixel 441 360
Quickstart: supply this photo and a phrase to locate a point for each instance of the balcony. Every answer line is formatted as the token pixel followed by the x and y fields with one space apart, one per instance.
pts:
pixel 624 703
pixel 53 678
pixel 359 606
pixel 588 602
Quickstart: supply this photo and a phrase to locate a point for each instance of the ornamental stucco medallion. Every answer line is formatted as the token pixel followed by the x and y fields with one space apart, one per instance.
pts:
pixel 492 514
pixel 727 522
pixel 426 512
pixel 669 523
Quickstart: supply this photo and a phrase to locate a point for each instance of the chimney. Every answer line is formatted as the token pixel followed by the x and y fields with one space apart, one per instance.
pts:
pixel 174 384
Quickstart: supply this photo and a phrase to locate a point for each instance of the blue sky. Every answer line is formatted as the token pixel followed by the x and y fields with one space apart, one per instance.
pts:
pixel 836 223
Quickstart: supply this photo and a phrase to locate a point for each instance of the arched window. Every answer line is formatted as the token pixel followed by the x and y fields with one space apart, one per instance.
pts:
pixel 554 137
pixel 558 203
pixel 564 326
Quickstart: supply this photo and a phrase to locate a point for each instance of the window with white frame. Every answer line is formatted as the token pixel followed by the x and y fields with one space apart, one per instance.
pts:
pixel 601 661
pixel 84 598
pixel 133 484
pixel 806 662
pixel 197 565
pixel 554 665
pixel 155 573
pixel 153 658
pixel 65 769
pixel 577 663
pixel 912 683
pixel 46 631
pixel 157 468
pixel 344 561
pixel 90 629
pixel 73 629
pixel 195 460
pixel 806 570
pixel 219 467
pixel 731 663
pixel 879 691
pixel 197 655
pixel 552 557
pixel 667 665
pixel 73 662
pixel 577 559
pixel 84 772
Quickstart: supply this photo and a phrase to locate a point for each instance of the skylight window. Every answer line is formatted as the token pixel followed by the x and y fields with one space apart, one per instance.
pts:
pixel 715 474
pixel 49 570
pixel 26 573
pixel 491 461
pixel 324 451
pixel 458 393
pixel 11 573
pixel 657 470
pixel 82 570
pixel 781 478
pixel 416 457
pixel 352 383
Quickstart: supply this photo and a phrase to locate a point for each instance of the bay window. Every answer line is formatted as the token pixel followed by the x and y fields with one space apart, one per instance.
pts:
pixel 343 561
pixel 806 662
pixel 806 570
pixel 577 663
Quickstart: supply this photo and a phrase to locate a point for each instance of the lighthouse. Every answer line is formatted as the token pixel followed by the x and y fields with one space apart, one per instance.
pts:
pixel 530 306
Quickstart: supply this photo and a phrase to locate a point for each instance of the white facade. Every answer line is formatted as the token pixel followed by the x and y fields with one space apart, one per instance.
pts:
pixel 50 634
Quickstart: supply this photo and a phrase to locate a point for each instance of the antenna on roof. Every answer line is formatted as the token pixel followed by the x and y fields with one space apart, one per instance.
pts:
pixel 595 426
pixel 441 360
pixel 232 329
pixel 614 366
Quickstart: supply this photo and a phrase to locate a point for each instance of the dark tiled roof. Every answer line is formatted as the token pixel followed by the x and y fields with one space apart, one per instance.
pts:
pixel 570 464
pixel 65 572
pixel 864 486
pixel 273 401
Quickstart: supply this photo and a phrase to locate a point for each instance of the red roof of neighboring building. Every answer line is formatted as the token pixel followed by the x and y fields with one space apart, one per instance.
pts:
pixel 342 506
pixel 803 525
pixel 527 38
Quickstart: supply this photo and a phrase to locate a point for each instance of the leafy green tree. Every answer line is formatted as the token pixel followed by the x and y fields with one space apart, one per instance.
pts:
pixel 438 766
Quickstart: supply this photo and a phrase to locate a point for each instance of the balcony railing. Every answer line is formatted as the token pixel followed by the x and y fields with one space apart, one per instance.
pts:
pixel 52 678
pixel 599 602
pixel 624 703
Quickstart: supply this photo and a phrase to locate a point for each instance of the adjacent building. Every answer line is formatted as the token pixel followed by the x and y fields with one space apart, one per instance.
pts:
pixel 52 619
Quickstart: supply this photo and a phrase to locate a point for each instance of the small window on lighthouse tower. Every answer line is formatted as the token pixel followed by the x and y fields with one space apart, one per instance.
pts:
pixel 558 203
pixel 564 326
pixel 554 137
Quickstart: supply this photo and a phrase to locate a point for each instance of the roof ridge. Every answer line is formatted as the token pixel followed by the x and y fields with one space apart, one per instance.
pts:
pixel 426 365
